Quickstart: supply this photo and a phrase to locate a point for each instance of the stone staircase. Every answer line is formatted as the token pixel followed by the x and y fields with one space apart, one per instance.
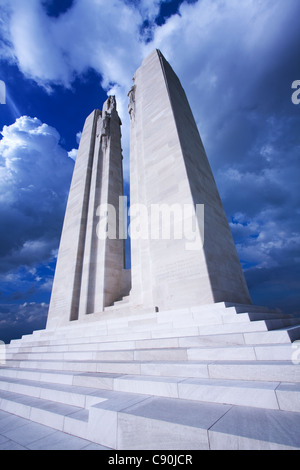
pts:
pixel 208 377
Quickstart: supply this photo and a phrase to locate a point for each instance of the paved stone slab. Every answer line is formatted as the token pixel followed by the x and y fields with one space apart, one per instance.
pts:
pixel 63 441
pixel 161 423
pixel 11 445
pixel 288 395
pixel 29 433
pixel 21 434
pixel 250 428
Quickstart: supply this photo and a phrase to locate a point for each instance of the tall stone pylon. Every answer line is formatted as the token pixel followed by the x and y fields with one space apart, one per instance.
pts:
pixel 89 273
pixel 169 170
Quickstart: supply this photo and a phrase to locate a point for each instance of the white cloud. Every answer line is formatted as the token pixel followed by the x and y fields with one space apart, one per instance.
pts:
pixel 35 174
pixel 31 35
pixel 210 45
pixel 149 9
pixel 94 34
pixel 47 284
pixel 73 154
pixel 78 137
pixel 22 316
pixel 97 34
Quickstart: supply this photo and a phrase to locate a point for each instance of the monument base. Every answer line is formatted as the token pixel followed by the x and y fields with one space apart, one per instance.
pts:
pixel 221 376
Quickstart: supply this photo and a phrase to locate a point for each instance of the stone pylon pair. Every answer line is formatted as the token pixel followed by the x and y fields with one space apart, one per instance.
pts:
pixel 182 250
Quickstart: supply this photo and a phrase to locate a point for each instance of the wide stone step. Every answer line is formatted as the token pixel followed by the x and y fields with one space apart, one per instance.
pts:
pixel 179 379
pixel 245 428
pixel 271 395
pixel 205 330
pixel 40 410
pixel 170 420
pixel 166 423
pixel 251 327
pixel 82 397
pixel 52 376
pixel 134 330
pixel 270 352
pixel 172 354
pixel 259 316
pixel 242 352
pixel 283 336
pixel 160 423
pixel 81 389
pixel 226 317
pixel 282 371
pixel 109 422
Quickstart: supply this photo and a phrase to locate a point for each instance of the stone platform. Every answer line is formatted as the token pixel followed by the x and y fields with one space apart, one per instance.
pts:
pixel 216 376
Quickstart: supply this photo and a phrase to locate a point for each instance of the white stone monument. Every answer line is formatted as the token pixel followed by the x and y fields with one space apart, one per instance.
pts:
pixel 169 170
pixel 90 272
pixel 182 250
pixel 199 371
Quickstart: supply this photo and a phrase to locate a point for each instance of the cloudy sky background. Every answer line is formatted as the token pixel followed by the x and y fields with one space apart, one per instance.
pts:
pixel 237 60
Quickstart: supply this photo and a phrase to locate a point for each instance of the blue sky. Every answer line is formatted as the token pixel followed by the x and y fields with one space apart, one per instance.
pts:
pixel 237 61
